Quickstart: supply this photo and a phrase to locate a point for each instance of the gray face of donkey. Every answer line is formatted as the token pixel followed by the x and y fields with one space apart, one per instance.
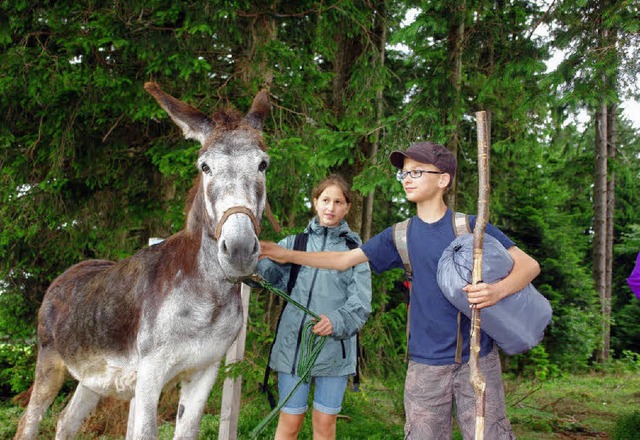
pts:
pixel 232 164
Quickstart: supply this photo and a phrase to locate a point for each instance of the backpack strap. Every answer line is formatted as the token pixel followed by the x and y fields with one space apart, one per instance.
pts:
pixel 400 241
pixel 461 224
pixel 400 232
pixel 460 227
pixel 352 244
pixel 299 244
pixel 356 377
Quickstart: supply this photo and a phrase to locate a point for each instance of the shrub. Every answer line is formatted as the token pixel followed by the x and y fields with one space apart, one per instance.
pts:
pixel 627 426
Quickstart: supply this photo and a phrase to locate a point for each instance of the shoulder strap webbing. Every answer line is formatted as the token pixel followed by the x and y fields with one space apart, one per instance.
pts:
pixel 352 244
pixel 460 227
pixel 349 241
pixel 299 244
pixel 400 241
pixel 461 224
pixel 400 232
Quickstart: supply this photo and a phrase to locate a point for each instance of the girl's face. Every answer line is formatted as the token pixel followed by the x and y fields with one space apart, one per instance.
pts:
pixel 331 206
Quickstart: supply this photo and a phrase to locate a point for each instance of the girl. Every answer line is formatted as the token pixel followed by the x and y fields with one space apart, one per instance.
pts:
pixel 343 301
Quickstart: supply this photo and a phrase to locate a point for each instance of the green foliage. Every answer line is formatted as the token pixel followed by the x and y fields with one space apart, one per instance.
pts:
pixel 10 416
pixel 383 339
pixel 627 426
pixel 16 367
pixel 579 327
pixel 630 241
pixel 538 364
pixel 627 326
pixel 17 335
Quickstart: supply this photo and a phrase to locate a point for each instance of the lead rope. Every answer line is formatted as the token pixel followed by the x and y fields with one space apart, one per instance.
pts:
pixel 310 347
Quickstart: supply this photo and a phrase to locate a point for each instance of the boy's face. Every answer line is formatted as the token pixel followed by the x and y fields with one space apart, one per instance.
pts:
pixel 426 187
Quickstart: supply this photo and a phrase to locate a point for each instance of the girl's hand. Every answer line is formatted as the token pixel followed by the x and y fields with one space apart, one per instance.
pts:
pixel 323 327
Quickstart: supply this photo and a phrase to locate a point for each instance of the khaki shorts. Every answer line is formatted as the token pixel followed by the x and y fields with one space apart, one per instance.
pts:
pixel 430 393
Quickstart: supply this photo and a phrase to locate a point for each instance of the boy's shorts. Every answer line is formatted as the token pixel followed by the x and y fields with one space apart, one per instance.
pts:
pixel 327 397
pixel 430 393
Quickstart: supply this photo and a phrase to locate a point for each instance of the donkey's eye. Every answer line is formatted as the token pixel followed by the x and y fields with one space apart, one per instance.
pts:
pixel 205 168
pixel 262 166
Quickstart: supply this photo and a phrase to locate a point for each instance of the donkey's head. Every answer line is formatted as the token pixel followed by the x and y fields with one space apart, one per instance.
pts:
pixel 229 198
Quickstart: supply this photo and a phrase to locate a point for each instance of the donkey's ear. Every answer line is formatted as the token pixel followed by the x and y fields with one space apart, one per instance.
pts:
pixel 259 111
pixel 194 124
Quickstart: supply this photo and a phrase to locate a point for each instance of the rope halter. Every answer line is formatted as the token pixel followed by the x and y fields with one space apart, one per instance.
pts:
pixel 236 210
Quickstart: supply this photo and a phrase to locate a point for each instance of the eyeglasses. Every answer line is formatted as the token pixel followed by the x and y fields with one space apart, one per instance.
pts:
pixel 415 174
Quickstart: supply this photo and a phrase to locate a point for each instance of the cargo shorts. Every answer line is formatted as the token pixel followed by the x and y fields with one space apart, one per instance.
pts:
pixel 431 391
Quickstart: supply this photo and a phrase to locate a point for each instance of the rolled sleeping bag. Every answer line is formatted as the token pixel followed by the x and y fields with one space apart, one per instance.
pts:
pixel 518 321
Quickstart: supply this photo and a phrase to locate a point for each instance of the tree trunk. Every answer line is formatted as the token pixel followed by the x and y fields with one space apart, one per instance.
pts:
pixel 349 49
pixel 600 202
pixel 380 33
pixel 254 68
pixel 604 196
pixel 454 48
pixel 611 147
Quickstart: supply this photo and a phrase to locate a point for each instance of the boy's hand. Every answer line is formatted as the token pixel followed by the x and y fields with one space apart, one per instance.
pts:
pixel 483 295
pixel 273 252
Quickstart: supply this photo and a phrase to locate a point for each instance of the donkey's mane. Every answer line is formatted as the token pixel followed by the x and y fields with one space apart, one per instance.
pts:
pixel 226 119
pixel 191 196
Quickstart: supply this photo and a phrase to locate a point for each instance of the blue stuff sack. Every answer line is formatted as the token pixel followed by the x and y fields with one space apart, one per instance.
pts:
pixel 518 321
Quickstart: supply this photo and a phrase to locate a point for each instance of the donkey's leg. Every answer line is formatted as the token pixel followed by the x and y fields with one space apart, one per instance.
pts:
pixel 194 393
pixel 50 374
pixel 151 379
pixel 82 403
pixel 132 418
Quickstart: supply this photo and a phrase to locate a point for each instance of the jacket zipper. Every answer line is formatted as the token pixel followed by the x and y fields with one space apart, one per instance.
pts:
pixel 313 282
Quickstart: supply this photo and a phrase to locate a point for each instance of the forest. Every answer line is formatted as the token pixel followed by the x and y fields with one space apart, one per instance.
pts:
pixel 93 168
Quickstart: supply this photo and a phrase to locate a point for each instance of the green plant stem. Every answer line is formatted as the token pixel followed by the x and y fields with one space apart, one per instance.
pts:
pixel 310 348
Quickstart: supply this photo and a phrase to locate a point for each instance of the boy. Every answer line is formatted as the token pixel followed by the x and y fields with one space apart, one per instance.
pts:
pixel 434 382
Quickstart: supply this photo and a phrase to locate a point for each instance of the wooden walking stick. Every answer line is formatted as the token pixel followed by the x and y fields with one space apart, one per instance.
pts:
pixel 476 378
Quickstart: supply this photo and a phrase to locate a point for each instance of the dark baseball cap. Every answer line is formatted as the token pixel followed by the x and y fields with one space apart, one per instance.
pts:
pixel 427 152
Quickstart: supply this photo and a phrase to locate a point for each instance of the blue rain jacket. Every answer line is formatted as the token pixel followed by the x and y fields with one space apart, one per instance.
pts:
pixel 344 297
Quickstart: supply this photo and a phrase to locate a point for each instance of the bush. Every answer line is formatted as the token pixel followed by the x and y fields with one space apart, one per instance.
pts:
pixel 17 343
pixel 539 366
pixel 16 368
pixel 627 426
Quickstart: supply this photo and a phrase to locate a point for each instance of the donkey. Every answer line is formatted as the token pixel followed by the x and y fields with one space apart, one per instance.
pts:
pixel 169 312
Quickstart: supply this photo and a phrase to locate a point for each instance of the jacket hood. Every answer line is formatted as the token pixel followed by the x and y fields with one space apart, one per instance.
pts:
pixel 342 230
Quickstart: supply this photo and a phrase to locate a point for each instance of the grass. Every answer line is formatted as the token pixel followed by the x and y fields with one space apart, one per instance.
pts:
pixel 577 407
pixel 572 407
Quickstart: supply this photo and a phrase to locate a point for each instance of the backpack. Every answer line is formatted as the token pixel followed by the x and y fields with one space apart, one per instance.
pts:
pixel 399 232
pixel 300 244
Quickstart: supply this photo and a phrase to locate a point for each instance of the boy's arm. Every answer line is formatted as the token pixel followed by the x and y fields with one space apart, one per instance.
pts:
pixel 340 260
pixel 525 269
